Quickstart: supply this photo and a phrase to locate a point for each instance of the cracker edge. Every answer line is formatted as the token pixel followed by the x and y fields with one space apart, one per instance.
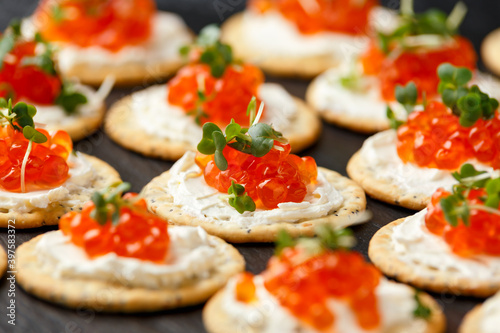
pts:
pixel 217 321
pixel 299 67
pixel 121 126
pixel 472 321
pixel 110 297
pixel 488 51
pixel 38 217
pixel 160 203
pixel 382 255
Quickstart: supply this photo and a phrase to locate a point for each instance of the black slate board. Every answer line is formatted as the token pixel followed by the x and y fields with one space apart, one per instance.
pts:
pixel 332 151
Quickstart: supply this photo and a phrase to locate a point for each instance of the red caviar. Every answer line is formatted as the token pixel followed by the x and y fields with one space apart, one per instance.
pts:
pixel 304 284
pixel 139 234
pixel 312 16
pixel 434 138
pixel 270 180
pixel 245 288
pixel 226 97
pixel 27 82
pixel 419 65
pixel 482 236
pixel 110 24
pixel 46 167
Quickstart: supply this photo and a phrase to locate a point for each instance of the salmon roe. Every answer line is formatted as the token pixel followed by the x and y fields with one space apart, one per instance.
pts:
pixel 138 234
pixel 46 167
pixel 312 16
pixel 110 24
pixel 305 286
pixel 17 80
pixel 270 180
pixel 434 138
pixel 227 97
pixel 419 66
pixel 482 236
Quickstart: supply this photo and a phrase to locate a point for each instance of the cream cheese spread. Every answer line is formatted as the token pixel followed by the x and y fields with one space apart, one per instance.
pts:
pixel 491 315
pixel 416 245
pixel 192 255
pixel 81 173
pixel 190 192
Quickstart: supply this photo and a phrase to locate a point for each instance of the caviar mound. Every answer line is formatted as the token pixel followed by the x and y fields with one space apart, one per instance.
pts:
pixel 321 15
pixel 138 233
pixel 481 236
pixel 226 97
pixel 418 65
pixel 275 178
pixel 434 138
pixel 110 24
pixel 46 165
pixel 17 77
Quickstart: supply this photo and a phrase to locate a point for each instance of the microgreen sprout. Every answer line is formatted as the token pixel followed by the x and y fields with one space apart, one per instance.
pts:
pixel 421 311
pixel 239 199
pixel 108 202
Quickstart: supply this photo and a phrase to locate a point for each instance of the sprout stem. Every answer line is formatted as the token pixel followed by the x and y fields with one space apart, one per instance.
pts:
pixel 23 167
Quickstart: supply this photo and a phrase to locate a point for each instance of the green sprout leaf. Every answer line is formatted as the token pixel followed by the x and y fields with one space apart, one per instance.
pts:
pixel 239 199
pixel 407 96
pixel 108 202
pixel 33 135
pixel 493 190
pixel 24 114
pixel 69 99
pixel 421 310
pixel 393 121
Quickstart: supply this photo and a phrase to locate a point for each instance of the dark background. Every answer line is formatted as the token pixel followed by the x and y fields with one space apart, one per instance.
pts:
pixel 332 151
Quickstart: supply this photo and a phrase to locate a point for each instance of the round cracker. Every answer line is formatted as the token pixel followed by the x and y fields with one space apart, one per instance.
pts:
pixel 382 253
pixel 98 295
pixel 353 123
pixel 121 126
pixel 38 217
pixel 472 321
pixel 362 172
pixel 216 320
pixel 490 48
pixel 302 67
pixel 81 126
pixel 352 211
pixel 3 261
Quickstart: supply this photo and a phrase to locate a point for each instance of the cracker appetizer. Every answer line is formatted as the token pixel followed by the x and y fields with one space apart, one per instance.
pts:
pixel 355 95
pixel 127 39
pixel 166 121
pixel 453 246
pixel 244 186
pixel 303 38
pixel 41 177
pixel 489 51
pixel 483 318
pixel 115 256
pixel 319 285
pixel 28 74
pixel 406 164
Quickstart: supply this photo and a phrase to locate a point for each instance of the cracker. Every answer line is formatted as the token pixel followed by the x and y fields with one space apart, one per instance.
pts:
pixel 490 48
pixel 362 172
pixel 382 254
pixel 38 217
pixel 114 297
pixel 354 123
pixel 302 67
pixel 472 321
pixel 3 261
pixel 121 126
pixel 81 126
pixel 216 320
pixel 352 211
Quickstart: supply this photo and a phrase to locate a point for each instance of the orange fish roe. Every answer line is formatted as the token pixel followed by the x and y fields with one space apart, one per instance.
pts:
pixel 227 97
pixel 110 24
pixel 304 284
pixel 46 167
pixel 418 65
pixel 481 236
pixel 138 234
pixel 312 16
pixel 434 138
pixel 270 180
pixel 17 80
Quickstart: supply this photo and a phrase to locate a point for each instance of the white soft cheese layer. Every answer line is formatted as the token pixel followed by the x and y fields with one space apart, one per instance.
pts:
pixel 273 35
pixel 396 304
pixel 190 192
pixel 82 174
pixel 416 245
pixel 169 33
pixel 157 117
pixel 192 255
pixel 491 315
pixel 380 155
